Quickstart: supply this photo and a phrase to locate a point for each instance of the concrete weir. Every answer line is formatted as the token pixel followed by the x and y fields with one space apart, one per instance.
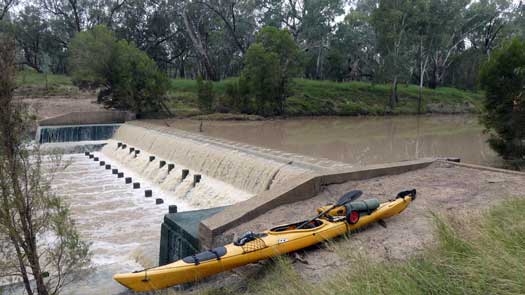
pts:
pixel 243 181
pixel 301 188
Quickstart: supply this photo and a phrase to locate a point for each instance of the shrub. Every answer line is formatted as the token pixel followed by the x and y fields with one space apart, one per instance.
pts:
pixel 503 79
pixel 270 63
pixel 205 95
pixel 238 96
pixel 129 78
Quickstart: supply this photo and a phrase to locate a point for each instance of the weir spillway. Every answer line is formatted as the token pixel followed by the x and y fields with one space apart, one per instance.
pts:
pixel 246 168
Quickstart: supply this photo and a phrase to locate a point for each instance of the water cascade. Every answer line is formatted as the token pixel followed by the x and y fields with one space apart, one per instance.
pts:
pixel 207 193
pixel 73 133
pixel 227 164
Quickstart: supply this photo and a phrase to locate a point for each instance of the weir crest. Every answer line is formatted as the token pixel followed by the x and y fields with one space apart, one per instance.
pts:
pixel 217 161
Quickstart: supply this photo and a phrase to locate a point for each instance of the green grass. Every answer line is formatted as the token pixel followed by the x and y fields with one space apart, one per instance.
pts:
pixel 310 97
pixel 474 255
pixel 33 78
pixel 32 83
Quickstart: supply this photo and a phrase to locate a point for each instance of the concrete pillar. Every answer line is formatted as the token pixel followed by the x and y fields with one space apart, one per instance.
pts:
pixel 131 150
pixel 172 209
pixel 128 180
pixel 124 146
pixel 151 158
pixel 102 163
pixel 86 153
pixel 148 193
pixel 91 156
pixel 159 201
pixel 196 179
pixel 114 171
pixel 170 167
pixel 137 152
pixel 108 166
pixel 95 159
pixel 136 185
pixel 120 175
pixel 119 144
pixel 185 173
pixel 162 163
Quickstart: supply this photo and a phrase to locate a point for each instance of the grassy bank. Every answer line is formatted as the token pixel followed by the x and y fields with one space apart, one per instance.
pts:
pixel 33 84
pixel 479 255
pixel 309 97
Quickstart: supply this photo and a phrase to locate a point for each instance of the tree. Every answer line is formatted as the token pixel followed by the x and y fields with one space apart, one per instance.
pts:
pixel 32 36
pixel 270 63
pixel 130 79
pixel 503 79
pixel 391 21
pixel 5 5
pixel 353 48
pixel 38 239
pixel 205 94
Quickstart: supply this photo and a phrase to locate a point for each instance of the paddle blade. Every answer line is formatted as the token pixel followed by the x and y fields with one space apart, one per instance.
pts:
pixel 349 197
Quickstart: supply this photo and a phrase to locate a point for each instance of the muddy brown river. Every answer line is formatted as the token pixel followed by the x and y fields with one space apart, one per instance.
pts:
pixel 360 140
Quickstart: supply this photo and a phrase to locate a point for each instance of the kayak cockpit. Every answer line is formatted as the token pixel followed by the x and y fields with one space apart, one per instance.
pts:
pixel 215 253
pixel 306 225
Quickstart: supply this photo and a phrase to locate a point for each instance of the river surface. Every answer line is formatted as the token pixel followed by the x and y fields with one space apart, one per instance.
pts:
pixel 360 140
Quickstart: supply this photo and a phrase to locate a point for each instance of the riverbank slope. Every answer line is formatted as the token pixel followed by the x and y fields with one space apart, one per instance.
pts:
pixel 308 98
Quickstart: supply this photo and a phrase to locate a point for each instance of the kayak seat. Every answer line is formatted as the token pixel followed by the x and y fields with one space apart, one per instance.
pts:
pixel 215 253
pixel 313 224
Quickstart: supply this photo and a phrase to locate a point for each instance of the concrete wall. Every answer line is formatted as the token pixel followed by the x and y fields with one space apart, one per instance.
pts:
pixel 301 188
pixel 86 118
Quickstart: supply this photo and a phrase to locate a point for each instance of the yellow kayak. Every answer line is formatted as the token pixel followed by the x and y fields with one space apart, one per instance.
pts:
pixel 253 247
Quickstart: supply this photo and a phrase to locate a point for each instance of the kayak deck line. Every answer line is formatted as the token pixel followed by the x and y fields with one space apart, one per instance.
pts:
pixel 253 247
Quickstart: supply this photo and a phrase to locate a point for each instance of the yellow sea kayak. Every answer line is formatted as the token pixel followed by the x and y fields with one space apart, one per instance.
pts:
pixel 258 246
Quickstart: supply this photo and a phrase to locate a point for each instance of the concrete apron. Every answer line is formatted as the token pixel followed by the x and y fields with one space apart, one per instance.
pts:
pixel 301 188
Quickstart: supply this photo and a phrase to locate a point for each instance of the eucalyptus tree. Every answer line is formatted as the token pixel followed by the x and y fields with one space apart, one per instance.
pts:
pixel 32 34
pixel 352 52
pixel 5 5
pixel 39 244
pixel 318 25
pixel 392 24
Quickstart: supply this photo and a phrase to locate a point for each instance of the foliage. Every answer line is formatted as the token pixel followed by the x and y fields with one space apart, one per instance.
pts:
pixel 205 95
pixel 131 79
pixel 270 63
pixel 485 256
pixel 311 97
pixel 503 78
pixel 39 244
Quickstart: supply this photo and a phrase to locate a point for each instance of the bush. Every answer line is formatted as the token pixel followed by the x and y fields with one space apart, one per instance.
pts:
pixel 129 79
pixel 503 79
pixel 238 97
pixel 270 63
pixel 205 95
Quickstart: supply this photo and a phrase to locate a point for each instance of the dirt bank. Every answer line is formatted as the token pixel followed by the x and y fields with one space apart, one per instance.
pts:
pixel 442 188
pixel 51 106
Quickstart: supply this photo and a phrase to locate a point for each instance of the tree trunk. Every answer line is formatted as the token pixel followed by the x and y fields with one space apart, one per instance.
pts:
pixel 198 44
pixel 420 95
pixel 393 94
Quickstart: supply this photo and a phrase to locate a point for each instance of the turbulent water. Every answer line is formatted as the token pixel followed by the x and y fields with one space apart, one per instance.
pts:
pixel 209 192
pixel 48 134
pixel 242 170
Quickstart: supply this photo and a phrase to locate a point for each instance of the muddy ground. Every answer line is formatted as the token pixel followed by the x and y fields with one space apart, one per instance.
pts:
pixel 51 106
pixel 443 188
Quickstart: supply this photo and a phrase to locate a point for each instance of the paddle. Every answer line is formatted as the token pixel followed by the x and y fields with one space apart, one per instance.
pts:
pixel 345 199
